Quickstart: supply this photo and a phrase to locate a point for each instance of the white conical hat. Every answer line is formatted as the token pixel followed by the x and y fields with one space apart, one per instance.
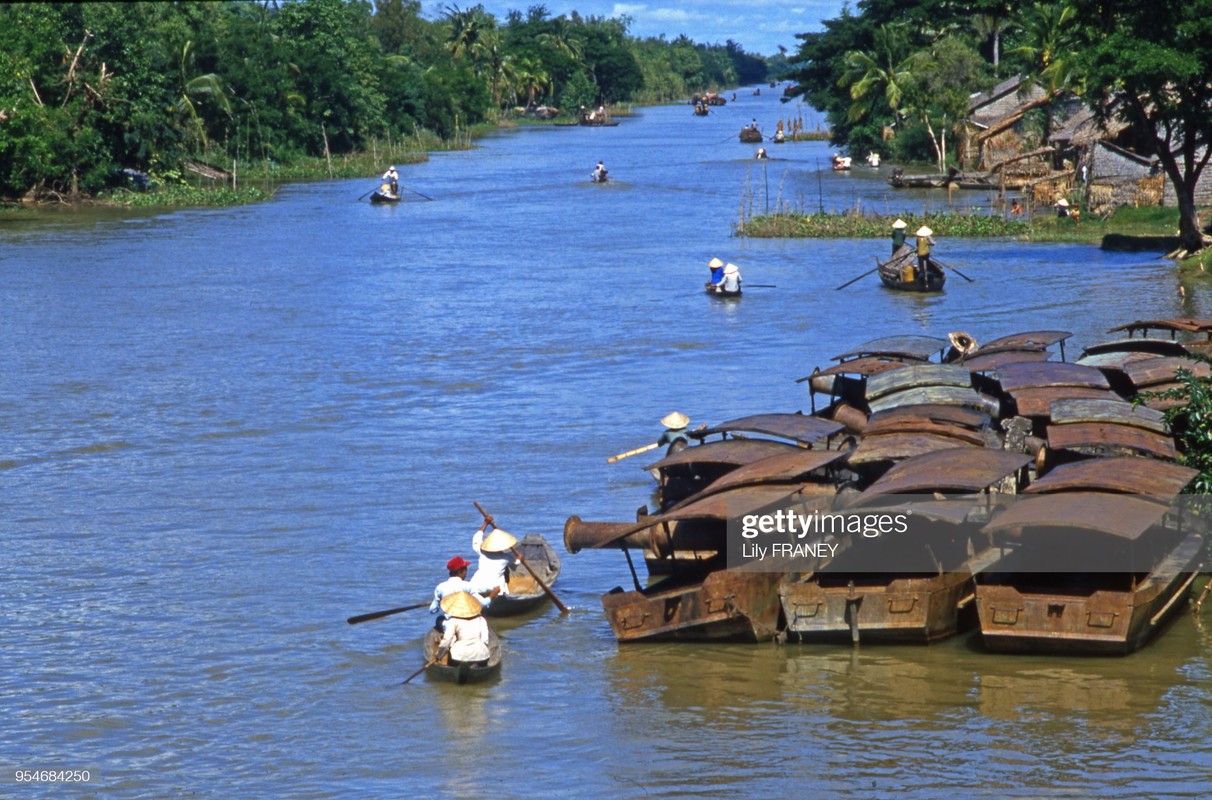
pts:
pixel 497 542
pixel 462 605
pixel 675 419
pixel 1063 203
pixel 900 223
pixel 731 269
pixel 714 263
pixel 924 231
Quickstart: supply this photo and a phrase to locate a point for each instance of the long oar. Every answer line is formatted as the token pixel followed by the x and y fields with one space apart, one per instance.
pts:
pixel 428 664
pixel 414 191
pixel 381 614
pixel 634 452
pixel 546 589
pixel 953 269
pixel 860 277
pixel 360 198
pixel 759 286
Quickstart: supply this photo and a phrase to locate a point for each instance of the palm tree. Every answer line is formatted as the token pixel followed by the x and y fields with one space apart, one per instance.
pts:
pixel 466 28
pixel 208 85
pixel 1049 43
pixel 878 78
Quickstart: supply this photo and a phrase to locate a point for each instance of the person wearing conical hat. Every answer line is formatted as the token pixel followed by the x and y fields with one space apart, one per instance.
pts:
pixel 1062 207
pixel 732 279
pixel 493 548
pixel 465 638
pixel 717 271
pixel 923 253
pixel 898 234
pixel 392 178
pixel 677 432
pixel 456 582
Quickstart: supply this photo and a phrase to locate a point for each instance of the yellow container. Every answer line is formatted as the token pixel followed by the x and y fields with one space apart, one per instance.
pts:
pixel 907 273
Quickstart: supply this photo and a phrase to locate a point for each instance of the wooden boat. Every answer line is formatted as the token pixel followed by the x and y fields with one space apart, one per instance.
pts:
pixel 751 135
pixel 721 293
pixel 383 195
pixel 524 592
pixel 701 111
pixel 901 273
pixel 463 673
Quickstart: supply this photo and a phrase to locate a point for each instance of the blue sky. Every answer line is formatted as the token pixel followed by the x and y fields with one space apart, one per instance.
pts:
pixel 759 26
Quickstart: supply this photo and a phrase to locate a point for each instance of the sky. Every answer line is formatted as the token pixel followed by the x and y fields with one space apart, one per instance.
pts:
pixel 759 26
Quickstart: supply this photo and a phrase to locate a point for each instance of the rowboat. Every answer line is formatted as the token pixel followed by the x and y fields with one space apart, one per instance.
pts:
pixel 720 292
pixel 384 196
pixel 524 592
pixel 751 135
pixel 901 273
pixel 462 673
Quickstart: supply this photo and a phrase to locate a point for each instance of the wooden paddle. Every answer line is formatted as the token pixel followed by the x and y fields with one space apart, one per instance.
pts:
pixel 414 191
pixel 546 589
pixel 428 664
pixel 634 452
pixel 864 275
pixel 759 286
pixel 360 198
pixel 953 269
pixel 380 614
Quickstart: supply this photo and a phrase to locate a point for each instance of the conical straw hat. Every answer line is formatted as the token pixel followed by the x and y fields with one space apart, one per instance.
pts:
pixel 900 223
pixel 924 231
pixel 675 419
pixel 497 542
pixel 1063 203
pixel 731 269
pixel 963 341
pixel 715 263
pixel 462 605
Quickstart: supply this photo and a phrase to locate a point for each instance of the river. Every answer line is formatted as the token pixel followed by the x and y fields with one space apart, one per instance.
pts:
pixel 225 431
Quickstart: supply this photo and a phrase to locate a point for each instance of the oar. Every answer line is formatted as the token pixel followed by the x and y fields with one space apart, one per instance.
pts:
pixel 380 614
pixel 428 664
pixel 414 191
pixel 360 198
pixel 546 589
pixel 864 275
pixel 634 452
pixel 953 269
pixel 759 286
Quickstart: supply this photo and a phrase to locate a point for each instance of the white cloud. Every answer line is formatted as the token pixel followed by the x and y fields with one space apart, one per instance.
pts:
pixel 670 15
pixel 629 9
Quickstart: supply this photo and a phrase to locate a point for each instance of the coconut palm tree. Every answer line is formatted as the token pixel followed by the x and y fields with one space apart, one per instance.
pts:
pixel 877 79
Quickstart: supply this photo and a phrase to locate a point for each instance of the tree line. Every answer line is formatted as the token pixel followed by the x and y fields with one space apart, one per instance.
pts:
pixel 897 76
pixel 90 89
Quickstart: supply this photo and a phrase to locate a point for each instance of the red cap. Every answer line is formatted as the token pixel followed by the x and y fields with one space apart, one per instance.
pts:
pixel 457 563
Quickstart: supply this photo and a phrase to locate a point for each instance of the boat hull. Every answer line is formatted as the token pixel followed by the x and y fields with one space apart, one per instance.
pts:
pixel 524 593
pixel 462 673
pixel 381 197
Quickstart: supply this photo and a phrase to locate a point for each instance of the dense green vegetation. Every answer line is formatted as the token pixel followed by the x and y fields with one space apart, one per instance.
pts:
pixel 897 76
pixel 90 89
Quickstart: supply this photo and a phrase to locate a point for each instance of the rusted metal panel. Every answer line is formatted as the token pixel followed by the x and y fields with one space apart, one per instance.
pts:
pixel 937 395
pixel 1149 372
pixel 909 414
pixel 1109 438
pixel 897 446
pixel 1028 340
pixel 990 362
pixel 727 605
pixel 867 365
pixel 1159 347
pixel 1038 402
pixel 919 347
pixel 1187 324
pixel 1119 412
pixel 1122 474
pixel 1124 516
pixel 963 469
pixel 917 376
pixel 731 451
pixel 798 427
pixel 1023 375
pixel 1115 360
pixel 918 425
pixel 781 469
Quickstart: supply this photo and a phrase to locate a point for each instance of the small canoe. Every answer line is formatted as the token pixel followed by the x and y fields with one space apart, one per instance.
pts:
pixel 524 593
pixel 463 673
pixel 384 197
pixel 751 135
pixel 901 273
pixel 720 292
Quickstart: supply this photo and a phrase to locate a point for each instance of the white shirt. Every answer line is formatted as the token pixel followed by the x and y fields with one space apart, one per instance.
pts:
pixel 467 639
pixel 731 282
pixel 452 585
pixel 491 569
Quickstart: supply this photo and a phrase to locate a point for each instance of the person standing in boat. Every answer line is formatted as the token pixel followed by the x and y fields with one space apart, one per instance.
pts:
pixel 392 179
pixel 495 559
pixel 923 253
pixel 599 173
pixel 761 153
pixel 465 637
pixel 898 235
pixel 456 582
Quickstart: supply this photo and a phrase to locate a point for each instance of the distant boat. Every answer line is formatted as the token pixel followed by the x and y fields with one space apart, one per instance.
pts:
pixel 751 135
pixel 383 195
pixel 719 291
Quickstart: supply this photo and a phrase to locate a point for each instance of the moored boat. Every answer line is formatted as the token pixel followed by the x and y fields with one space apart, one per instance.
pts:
pixel 462 673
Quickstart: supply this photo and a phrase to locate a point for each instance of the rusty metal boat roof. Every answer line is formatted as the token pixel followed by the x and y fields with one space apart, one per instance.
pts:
pixel 991 361
pixel 730 451
pixel 1119 412
pixel 798 427
pixel 930 395
pixel 1159 347
pixel 1039 402
pixel 1106 435
pixel 1115 359
pixel 864 365
pixel 1027 340
pixel 1186 324
pixel 912 414
pixel 918 347
pixel 1041 374
pixel 782 468
pixel 897 446
pixel 1121 475
pixel 960 470
pixel 1124 516
pixel 917 376
pixel 1164 369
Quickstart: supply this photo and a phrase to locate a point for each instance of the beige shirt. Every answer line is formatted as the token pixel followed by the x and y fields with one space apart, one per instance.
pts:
pixel 467 639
